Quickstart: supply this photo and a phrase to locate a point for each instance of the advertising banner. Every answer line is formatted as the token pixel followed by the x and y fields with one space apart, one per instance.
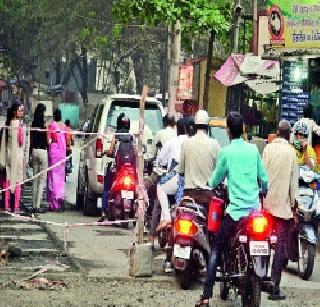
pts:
pixel 185 82
pixel 294 24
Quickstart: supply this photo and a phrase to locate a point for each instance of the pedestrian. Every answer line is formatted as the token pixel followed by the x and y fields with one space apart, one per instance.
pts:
pixel 280 161
pixel 56 157
pixel 38 154
pixel 4 134
pixel 14 162
pixel 240 163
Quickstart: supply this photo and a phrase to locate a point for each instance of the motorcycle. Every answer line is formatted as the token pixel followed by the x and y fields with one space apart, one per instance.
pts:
pixel 121 197
pixel 245 260
pixel 303 247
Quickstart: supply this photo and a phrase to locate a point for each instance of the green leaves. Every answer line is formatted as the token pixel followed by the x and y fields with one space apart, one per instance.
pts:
pixel 195 16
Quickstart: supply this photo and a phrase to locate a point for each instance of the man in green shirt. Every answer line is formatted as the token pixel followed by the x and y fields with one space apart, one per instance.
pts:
pixel 241 164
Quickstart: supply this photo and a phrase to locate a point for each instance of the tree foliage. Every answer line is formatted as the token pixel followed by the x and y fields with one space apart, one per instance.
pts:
pixel 195 16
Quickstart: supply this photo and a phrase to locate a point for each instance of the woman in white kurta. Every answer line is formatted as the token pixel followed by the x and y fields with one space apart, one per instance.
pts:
pixel 14 160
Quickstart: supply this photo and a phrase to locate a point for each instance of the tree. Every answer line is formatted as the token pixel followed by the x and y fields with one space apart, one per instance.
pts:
pixel 195 16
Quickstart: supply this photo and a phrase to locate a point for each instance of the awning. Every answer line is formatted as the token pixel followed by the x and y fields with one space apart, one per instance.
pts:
pixel 260 75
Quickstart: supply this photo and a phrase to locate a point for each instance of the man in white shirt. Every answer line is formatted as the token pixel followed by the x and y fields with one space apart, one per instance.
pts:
pixel 164 135
pixel 169 157
pixel 198 160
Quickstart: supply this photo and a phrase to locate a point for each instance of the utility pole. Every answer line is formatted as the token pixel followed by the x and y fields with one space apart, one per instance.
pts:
pixel 205 103
pixel 237 19
pixel 174 67
pixel 165 70
pixel 255 27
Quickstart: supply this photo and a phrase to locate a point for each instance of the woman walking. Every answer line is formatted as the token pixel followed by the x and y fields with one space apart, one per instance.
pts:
pixel 38 155
pixel 14 163
pixel 3 157
pixel 56 153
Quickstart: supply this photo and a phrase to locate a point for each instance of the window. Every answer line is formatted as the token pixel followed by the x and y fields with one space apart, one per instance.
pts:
pixel 153 115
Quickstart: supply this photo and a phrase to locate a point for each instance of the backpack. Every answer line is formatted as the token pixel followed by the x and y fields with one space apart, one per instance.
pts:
pixel 125 153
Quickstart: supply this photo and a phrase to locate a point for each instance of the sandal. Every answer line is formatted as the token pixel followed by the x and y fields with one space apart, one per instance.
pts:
pixel 202 302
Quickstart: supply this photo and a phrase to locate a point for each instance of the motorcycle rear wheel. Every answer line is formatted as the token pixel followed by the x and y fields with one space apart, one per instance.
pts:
pixel 252 292
pixel 185 277
pixel 306 264
pixel 224 285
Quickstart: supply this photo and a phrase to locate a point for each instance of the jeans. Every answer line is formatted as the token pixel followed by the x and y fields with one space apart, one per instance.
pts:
pixel 40 163
pixel 282 228
pixel 107 183
pixel 224 235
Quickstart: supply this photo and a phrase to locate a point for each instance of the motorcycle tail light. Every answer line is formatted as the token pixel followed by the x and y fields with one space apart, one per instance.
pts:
pixel 259 224
pixel 314 185
pixel 100 178
pixel 186 227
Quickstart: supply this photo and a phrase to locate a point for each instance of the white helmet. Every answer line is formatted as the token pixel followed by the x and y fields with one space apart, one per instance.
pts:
pixel 301 128
pixel 202 118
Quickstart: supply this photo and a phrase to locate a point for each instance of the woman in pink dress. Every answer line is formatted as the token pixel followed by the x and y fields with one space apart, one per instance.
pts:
pixel 56 153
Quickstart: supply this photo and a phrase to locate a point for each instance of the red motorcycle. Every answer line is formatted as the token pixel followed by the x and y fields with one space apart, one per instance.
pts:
pixel 122 195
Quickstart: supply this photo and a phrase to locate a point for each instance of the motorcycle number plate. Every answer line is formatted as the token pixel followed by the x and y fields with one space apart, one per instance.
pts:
pixel 259 248
pixel 127 194
pixel 182 252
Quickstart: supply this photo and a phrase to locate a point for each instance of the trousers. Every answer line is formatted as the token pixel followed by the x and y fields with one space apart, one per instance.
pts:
pixel 40 163
pixel 224 235
pixel 282 228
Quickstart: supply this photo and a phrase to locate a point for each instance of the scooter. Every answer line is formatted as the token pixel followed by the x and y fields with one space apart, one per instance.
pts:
pixel 302 248
pixel 122 195
pixel 190 242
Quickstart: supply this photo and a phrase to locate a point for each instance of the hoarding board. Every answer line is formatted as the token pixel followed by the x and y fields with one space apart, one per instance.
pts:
pixel 185 82
pixel 294 24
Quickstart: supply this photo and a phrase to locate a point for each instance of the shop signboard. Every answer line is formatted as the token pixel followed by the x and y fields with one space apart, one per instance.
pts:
pixel 185 82
pixel 294 24
pixel 294 94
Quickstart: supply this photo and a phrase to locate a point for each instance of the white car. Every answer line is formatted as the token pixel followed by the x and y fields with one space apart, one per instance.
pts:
pixel 104 118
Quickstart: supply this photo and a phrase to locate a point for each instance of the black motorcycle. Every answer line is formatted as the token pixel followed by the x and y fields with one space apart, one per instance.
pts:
pixel 245 260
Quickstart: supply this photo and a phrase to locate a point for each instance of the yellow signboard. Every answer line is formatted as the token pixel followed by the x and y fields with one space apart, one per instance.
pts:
pixel 294 24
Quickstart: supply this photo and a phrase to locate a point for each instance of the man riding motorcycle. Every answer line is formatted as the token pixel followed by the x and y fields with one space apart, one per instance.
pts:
pixel 124 154
pixel 305 153
pixel 241 164
pixel 198 160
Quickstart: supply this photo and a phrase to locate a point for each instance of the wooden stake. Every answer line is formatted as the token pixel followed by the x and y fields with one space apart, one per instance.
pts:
pixel 141 196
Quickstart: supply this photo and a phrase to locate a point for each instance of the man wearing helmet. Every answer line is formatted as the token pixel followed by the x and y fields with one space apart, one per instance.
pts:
pixel 124 154
pixel 313 128
pixel 198 160
pixel 305 153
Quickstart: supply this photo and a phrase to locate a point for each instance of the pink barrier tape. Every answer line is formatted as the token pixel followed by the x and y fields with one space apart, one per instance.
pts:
pixel 72 132
pixel 65 224
pixel 46 170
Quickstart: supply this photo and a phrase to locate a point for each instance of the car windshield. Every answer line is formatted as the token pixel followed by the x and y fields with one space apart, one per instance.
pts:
pixel 220 134
pixel 153 116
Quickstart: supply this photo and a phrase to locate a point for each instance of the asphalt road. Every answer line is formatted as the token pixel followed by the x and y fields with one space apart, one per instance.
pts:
pixel 100 257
